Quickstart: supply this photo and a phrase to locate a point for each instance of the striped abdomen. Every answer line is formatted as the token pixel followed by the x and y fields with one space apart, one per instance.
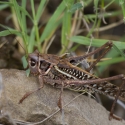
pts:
pixel 105 88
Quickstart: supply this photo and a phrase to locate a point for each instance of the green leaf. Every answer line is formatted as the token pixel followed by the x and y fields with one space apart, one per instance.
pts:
pixel 5 27
pixel 24 11
pixel 66 30
pixel 41 7
pixel 23 15
pixel 4 6
pixel 86 41
pixel 8 32
pixel 96 2
pixel 75 7
pixel 66 26
pixel 111 61
pixel 25 64
pixel 107 14
pixel 8 3
pixel 32 40
pixel 32 8
pixel 15 9
pixel 118 50
pixel 95 42
pixel 52 23
pixel 27 72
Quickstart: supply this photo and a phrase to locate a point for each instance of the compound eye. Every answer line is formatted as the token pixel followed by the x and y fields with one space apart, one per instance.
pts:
pixel 32 63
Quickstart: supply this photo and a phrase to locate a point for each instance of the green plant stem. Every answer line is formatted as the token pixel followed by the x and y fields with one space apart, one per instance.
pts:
pixel 109 4
pixel 36 26
pixel 122 3
pixel 108 14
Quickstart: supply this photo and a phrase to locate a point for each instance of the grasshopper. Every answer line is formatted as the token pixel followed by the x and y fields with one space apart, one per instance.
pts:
pixel 63 72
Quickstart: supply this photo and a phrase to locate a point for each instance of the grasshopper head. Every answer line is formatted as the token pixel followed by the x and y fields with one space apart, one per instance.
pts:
pixel 37 63
pixel 33 61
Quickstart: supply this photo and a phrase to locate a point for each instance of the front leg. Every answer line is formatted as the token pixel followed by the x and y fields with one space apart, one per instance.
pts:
pixel 41 81
pixel 31 92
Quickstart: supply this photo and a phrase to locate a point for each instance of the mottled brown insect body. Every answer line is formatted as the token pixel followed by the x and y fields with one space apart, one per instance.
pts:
pixel 63 72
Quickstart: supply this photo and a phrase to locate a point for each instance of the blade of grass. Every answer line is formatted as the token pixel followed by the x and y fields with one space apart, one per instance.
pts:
pixel 23 15
pixel 118 50
pixel 4 6
pixel 40 9
pixel 35 29
pixel 96 42
pixel 9 32
pixel 16 10
pixel 32 40
pixel 96 2
pixel 25 64
pixel 122 3
pixel 47 40
pixel 24 11
pixel 75 7
pixel 109 4
pixel 51 25
pixel 23 25
pixel 8 3
pixel 111 61
pixel 105 15
pixel 6 27
pixel 66 26
pixel 66 29
pixel 111 54
pixel 36 26
pixel 20 17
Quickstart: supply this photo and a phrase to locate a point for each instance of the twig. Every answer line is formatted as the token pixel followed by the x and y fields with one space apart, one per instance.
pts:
pixel 49 44
pixel 104 28
pixel 29 123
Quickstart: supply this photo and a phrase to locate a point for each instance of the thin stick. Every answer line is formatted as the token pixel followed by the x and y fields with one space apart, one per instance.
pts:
pixel 102 28
pixel 28 123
